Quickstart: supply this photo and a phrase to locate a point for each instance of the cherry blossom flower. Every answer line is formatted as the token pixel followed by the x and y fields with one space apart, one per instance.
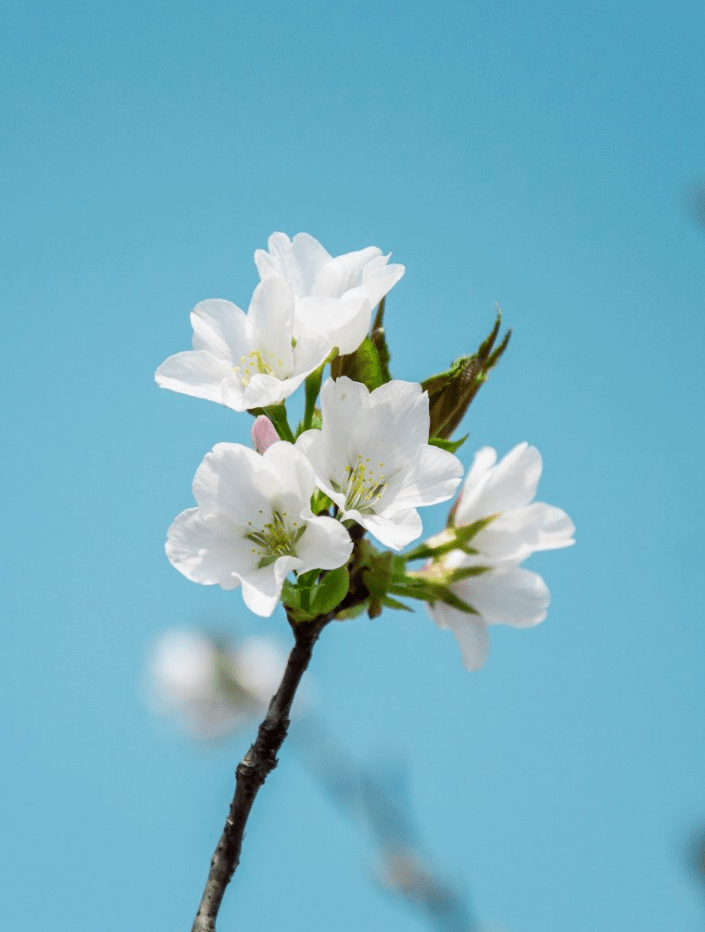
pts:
pixel 502 592
pixel 243 360
pixel 373 460
pixel 212 690
pixel 254 524
pixel 351 285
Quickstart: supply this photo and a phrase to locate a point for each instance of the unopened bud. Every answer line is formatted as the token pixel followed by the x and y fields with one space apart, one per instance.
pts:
pixel 263 434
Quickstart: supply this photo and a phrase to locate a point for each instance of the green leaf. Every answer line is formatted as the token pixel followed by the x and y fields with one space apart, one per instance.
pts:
pixel 362 366
pixel 330 592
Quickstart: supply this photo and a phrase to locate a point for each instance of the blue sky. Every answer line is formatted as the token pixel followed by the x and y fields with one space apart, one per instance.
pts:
pixel 543 157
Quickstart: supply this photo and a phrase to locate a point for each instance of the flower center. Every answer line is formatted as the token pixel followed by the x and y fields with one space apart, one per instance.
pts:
pixel 363 486
pixel 276 538
pixel 258 362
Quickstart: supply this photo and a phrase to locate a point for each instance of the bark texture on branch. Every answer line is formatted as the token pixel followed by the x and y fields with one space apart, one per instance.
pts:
pixel 252 771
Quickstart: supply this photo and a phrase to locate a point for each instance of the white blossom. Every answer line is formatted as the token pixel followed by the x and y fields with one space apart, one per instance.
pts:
pixel 254 524
pixel 373 459
pixel 349 286
pixel 503 593
pixel 212 690
pixel 243 360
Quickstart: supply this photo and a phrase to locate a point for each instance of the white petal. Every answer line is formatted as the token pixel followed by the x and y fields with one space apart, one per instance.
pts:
pixel 270 321
pixel 339 322
pixel 219 328
pixel 507 595
pixel 400 416
pixel 510 484
pixel 196 373
pixel 433 477
pixel 292 470
pixel 345 406
pixel 261 590
pixel 198 550
pixel 224 482
pixel 343 273
pixel 297 261
pixel 470 632
pixel 326 545
pixel 395 531
pixel 379 278
pixel 517 534
pixel 261 391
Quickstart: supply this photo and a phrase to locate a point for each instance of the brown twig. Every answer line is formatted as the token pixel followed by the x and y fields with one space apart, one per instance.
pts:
pixel 253 770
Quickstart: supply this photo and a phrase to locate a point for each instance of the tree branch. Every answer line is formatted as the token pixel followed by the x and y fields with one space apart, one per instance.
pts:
pixel 253 770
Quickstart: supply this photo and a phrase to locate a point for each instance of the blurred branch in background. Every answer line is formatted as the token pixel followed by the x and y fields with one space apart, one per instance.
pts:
pixel 212 689
pixel 695 857
pixel 697 203
pixel 375 803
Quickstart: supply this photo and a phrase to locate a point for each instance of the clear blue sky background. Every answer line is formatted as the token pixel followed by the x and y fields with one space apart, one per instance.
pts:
pixel 544 156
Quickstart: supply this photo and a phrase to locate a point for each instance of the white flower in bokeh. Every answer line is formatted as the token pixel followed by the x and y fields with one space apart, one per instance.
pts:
pixel 211 691
pixel 254 524
pixel 243 360
pixel 373 459
pixel 351 285
pixel 502 593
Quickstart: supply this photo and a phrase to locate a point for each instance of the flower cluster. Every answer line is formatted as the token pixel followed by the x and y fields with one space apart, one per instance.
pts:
pixel 286 521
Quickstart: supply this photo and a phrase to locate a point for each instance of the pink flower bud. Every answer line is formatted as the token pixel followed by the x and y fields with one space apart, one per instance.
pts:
pixel 263 434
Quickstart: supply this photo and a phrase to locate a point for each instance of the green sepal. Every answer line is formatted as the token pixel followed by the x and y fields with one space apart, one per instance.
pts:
pixel 277 415
pixel 379 576
pixel 379 341
pixel 353 612
pixel 450 392
pixel 389 602
pixel 291 598
pixel 312 387
pixel 427 590
pixel 374 608
pixel 450 445
pixel 458 539
pixel 466 572
pixel 320 502
pixel 330 592
pixel 307 598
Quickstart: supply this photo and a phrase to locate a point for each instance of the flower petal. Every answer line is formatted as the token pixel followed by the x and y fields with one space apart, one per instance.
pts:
pixel 434 476
pixel 219 328
pixel 507 595
pixel 326 545
pixel 470 632
pixel 491 489
pixel 298 261
pixel 197 373
pixel 517 534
